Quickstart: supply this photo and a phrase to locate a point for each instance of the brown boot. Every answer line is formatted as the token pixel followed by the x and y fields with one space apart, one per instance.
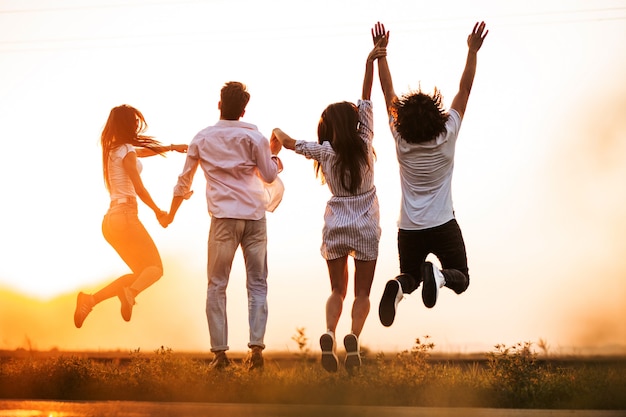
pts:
pixel 256 360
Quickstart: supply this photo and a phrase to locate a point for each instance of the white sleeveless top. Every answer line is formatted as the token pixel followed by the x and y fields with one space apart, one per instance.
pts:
pixel 120 185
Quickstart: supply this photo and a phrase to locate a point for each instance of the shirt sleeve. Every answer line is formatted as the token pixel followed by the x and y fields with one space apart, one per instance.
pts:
pixel 311 150
pixel 366 121
pixel 454 122
pixel 267 165
pixel 185 179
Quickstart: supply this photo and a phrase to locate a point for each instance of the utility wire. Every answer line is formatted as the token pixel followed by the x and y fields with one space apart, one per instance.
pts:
pixel 408 26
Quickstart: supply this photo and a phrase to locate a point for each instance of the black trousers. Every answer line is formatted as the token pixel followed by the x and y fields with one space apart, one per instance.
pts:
pixel 446 243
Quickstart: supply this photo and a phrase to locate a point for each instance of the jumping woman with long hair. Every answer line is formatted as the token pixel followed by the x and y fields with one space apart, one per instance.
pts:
pixel 344 159
pixel 123 141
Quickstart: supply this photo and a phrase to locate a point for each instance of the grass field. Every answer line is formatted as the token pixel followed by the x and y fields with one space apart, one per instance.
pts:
pixel 507 377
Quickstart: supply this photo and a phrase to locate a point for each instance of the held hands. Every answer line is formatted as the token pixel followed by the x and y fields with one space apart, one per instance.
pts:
pixel 476 38
pixel 164 218
pixel 377 52
pixel 275 144
pixel 283 138
pixel 380 39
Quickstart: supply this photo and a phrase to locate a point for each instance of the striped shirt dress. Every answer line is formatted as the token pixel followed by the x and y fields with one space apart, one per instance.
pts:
pixel 351 221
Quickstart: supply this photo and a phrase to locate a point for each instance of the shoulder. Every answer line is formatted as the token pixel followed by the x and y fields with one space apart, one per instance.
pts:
pixel 122 150
pixel 454 121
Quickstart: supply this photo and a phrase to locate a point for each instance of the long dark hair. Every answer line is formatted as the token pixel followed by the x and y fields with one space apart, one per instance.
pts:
pixel 125 125
pixel 339 125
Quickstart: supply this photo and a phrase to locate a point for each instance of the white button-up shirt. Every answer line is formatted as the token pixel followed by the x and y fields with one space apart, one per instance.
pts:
pixel 233 155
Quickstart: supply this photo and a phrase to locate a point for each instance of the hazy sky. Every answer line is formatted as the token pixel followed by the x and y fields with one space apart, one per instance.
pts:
pixel 538 186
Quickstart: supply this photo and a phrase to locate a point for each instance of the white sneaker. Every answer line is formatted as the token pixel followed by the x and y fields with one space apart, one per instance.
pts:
pixel 389 302
pixel 433 280
pixel 328 346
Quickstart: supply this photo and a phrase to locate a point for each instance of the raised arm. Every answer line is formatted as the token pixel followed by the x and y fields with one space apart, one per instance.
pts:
pixel 145 152
pixel 380 37
pixel 474 42
pixel 378 52
pixel 130 166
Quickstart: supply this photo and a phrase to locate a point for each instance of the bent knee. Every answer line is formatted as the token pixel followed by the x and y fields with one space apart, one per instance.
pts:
pixel 155 270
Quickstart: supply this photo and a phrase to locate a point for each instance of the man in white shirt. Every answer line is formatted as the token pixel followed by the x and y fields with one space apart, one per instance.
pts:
pixel 234 156
pixel 425 135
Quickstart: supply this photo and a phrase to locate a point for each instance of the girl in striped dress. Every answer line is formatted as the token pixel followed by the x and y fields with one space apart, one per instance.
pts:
pixel 344 160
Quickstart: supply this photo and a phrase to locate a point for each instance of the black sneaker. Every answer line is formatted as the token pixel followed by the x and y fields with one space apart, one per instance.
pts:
pixel 433 280
pixel 220 361
pixel 329 357
pixel 389 302
pixel 353 356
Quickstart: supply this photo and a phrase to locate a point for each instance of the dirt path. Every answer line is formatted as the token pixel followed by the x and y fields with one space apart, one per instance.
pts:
pixel 14 408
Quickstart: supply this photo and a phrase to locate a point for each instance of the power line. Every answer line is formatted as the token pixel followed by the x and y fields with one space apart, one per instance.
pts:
pixel 412 26
pixel 103 6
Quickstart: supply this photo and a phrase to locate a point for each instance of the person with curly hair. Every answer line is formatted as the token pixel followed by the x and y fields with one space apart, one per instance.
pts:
pixel 425 134
pixel 344 160
pixel 123 141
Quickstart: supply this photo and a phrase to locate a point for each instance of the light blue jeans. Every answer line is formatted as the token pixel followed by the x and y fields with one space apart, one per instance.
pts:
pixel 225 236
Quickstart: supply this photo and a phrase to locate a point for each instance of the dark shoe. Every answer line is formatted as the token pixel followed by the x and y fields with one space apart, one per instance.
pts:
pixel 255 361
pixel 84 304
pixel 220 361
pixel 127 298
pixel 457 283
pixel 389 302
pixel 353 356
pixel 329 357
pixel 433 280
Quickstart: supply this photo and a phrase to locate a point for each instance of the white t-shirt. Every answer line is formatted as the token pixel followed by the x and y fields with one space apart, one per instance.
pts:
pixel 120 185
pixel 426 177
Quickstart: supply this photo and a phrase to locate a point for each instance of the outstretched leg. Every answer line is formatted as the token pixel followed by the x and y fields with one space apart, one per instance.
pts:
pixel 130 239
pixel 363 277
pixel 338 273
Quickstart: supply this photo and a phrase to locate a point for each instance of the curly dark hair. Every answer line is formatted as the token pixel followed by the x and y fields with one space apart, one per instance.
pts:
pixel 420 117
pixel 339 125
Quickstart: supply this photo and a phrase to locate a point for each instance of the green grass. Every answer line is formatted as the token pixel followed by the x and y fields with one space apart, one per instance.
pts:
pixel 508 377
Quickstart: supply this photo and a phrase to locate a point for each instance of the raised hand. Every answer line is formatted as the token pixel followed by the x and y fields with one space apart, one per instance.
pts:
pixel 379 36
pixel 476 38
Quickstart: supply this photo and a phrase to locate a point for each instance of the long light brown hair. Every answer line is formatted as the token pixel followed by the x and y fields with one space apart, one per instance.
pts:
pixel 125 125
